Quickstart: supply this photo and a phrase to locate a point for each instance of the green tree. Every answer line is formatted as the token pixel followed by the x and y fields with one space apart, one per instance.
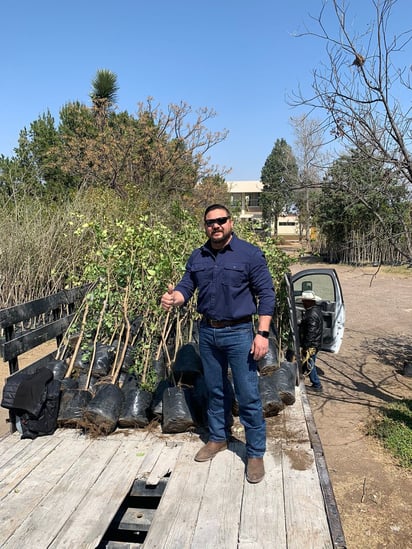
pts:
pixel 154 156
pixel 9 169
pixel 149 157
pixel 104 93
pixel 279 177
pixel 40 174
pixel 95 154
pixel 361 196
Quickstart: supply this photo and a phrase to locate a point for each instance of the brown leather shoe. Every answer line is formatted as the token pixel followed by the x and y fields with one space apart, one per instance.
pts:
pixel 255 470
pixel 209 450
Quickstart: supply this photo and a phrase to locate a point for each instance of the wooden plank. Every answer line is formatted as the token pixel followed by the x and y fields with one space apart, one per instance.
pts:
pixel 150 460
pixel 295 423
pixel 17 508
pixel 332 511
pixel 87 523
pixel 165 463
pixel 306 522
pixel 34 366
pixel 29 340
pixel 42 525
pixel 220 510
pixel 122 545
pixel 11 444
pixel 21 463
pixel 262 521
pixel 204 504
pixel 36 307
pixel 176 516
pixel 72 434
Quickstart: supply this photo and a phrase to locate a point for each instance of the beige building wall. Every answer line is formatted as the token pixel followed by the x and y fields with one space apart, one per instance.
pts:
pixel 245 196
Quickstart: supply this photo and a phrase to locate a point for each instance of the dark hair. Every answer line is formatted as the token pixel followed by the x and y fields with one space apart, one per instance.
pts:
pixel 215 207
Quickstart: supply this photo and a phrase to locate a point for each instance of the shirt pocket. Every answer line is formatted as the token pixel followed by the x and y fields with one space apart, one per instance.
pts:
pixel 201 274
pixel 234 275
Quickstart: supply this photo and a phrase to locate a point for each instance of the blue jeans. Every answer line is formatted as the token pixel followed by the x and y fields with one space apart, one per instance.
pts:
pixel 220 348
pixel 313 374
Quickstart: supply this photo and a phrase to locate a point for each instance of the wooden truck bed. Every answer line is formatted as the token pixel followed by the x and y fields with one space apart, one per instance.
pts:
pixel 141 488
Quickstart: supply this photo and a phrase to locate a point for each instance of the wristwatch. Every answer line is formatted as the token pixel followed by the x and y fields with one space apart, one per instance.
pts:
pixel 263 333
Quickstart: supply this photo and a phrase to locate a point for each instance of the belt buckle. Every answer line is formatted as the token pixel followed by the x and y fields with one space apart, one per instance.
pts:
pixel 214 323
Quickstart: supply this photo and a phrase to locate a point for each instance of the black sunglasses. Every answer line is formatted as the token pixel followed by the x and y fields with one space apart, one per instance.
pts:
pixel 218 220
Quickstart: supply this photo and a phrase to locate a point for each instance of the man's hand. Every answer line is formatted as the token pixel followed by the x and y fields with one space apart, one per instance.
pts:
pixel 171 298
pixel 260 347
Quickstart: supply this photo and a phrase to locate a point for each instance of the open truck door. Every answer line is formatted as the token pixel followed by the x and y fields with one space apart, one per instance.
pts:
pixel 326 286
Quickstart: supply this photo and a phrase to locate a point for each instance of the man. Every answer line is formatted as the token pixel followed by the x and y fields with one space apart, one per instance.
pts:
pixel 310 334
pixel 233 283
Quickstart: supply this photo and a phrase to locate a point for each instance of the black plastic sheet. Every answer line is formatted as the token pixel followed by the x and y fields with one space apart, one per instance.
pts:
pixel 69 383
pixel 270 362
pixel 156 407
pixel 136 407
pixel 200 401
pixel 272 404
pixel 177 410
pixel 187 365
pixel 73 402
pixel 58 368
pixel 103 411
pixel 159 366
pixel 129 355
pixel 285 379
pixel 103 360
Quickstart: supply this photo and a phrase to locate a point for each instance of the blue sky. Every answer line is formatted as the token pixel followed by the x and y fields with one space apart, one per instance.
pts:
pixel 237 57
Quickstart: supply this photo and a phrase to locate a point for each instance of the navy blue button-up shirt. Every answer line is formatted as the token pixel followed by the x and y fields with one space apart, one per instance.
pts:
pixel 232 283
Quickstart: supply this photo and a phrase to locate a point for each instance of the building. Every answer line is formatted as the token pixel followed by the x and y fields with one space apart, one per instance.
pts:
pixel 245 198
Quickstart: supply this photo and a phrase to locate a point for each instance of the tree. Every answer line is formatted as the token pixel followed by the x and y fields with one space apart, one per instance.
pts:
pixel 211 190
pixel 155 155
pixel 310 160
pixel 39 171
pixel 11 175
pixel 359 91
pixel 104 93
pixel 279 177
pixel 352 205
pixel 152 156
pixel 94 153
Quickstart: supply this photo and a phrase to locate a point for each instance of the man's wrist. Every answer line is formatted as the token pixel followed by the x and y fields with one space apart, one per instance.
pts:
pixel 263 333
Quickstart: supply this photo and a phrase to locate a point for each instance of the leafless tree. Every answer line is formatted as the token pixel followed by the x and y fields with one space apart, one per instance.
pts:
pixel 310 158
pixel 364 90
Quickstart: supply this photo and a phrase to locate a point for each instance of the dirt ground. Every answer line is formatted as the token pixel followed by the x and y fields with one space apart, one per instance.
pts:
pixel 373 494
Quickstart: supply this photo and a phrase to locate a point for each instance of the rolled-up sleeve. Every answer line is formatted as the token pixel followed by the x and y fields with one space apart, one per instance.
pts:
pixel 262 285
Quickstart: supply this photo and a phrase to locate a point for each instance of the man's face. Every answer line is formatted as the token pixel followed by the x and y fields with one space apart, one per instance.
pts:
pixel 220 230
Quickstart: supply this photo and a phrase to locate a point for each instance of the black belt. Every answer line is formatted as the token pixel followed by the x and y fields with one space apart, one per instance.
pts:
pixel 226 323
